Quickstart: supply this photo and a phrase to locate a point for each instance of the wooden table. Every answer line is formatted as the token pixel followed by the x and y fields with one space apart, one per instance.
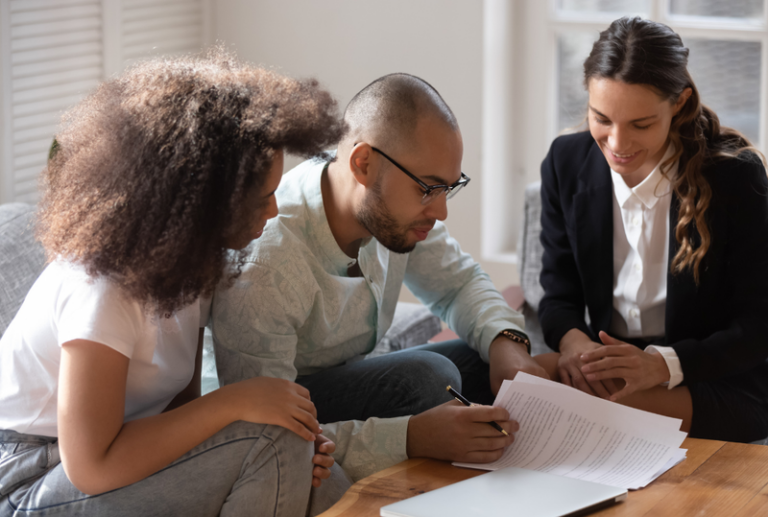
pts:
pixel 717 479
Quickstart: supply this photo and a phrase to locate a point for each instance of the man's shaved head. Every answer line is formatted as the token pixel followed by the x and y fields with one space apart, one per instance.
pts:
pixel 385 112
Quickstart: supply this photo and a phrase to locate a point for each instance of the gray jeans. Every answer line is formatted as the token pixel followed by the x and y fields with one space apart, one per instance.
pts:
pixel 245 469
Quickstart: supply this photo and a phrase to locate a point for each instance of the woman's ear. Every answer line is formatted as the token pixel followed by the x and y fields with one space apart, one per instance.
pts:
pixel 361 160
pixel 682 99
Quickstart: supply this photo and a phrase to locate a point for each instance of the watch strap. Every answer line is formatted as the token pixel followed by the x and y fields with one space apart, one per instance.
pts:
pixel 518 337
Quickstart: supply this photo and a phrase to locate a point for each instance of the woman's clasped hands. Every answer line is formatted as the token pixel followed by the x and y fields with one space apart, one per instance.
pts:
pixel 619 360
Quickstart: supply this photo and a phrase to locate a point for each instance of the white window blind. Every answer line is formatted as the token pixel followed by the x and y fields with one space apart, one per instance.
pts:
pixel 53 52
pixel 55 57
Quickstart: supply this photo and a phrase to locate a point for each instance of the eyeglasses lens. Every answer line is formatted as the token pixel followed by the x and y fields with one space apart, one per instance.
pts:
pixel 434 194
pixel 455 190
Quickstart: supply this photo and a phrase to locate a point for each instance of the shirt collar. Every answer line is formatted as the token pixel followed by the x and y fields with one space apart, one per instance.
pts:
pixel 655 186
pixel 320 230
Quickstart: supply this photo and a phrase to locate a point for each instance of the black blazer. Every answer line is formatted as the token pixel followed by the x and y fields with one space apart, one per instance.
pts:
pixel 718 328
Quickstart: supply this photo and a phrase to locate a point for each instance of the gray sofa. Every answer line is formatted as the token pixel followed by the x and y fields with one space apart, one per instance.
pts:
pixel 21 258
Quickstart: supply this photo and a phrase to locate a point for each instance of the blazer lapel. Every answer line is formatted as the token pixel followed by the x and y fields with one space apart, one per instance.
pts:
pixel 593 222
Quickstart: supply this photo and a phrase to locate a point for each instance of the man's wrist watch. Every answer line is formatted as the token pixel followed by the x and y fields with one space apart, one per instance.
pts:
pixel 517 337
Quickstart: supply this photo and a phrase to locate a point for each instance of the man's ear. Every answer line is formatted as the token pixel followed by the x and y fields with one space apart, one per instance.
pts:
pixel 362 161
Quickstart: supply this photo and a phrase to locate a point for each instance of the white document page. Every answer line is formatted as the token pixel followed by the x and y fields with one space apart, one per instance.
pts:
pixel 566 432
pixel 673 424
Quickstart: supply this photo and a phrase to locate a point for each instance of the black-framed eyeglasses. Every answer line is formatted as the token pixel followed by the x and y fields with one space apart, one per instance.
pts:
pixel 431 192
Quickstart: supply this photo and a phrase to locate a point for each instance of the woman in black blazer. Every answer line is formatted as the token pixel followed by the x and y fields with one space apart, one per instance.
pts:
pixel 651 142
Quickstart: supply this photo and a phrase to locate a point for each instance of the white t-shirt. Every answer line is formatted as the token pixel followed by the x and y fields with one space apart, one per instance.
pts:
pixel 66 304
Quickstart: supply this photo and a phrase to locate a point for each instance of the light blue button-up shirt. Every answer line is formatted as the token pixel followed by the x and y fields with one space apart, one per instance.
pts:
pixel 294 310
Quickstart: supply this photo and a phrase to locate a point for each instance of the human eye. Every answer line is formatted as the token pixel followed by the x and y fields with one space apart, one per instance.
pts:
pixel 643 127
pixel 602 121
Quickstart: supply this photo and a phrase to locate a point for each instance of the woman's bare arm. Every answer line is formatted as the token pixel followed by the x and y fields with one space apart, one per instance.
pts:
pixel 101 453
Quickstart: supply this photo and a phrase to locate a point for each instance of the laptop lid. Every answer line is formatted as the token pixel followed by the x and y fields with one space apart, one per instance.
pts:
pixel 509 492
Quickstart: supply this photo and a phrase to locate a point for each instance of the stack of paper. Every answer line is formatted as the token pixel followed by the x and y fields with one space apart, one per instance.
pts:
pixel 566 432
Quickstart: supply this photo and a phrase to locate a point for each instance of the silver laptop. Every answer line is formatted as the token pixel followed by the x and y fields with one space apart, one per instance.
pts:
pixel 510 492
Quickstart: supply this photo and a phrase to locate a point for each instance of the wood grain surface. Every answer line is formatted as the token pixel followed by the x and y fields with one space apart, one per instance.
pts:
pixel 717 478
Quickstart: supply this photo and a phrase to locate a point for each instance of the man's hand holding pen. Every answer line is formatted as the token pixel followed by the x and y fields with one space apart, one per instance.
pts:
pixel 454 432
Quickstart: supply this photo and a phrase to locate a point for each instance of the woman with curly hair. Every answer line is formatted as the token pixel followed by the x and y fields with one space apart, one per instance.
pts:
pixel 154 178
pixel 655 221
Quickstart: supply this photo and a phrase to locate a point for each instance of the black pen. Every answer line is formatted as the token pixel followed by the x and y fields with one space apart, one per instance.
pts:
pixel 458 396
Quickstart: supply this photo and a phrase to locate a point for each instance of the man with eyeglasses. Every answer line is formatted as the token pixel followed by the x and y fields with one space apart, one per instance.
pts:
pixel 319 290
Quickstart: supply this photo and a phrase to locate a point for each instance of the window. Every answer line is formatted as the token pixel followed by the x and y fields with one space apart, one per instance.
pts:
pixel 540 78
pixel 53 52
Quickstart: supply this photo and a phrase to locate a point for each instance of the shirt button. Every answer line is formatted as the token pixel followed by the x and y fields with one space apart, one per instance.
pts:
pixel 636 221
pixel 634 313
pixel 638 267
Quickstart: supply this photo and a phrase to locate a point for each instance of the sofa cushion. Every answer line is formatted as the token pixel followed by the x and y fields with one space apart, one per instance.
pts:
pixel 530 247
pixel 412 325
pixel 22 258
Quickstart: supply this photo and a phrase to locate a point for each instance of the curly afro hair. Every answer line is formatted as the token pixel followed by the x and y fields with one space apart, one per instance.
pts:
pixel 150 172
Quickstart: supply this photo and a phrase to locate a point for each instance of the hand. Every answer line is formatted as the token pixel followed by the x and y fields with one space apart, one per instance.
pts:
pixel 455 432
pixel 573 346
pixel 322 460
pixel 265 400
pixel 618 359
pixel 506 358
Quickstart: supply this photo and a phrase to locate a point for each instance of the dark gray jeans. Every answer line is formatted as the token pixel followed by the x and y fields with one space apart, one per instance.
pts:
pixel 245 469
pixel 406 382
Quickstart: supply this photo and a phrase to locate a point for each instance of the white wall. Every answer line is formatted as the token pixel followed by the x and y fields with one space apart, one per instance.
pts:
pixel 348 43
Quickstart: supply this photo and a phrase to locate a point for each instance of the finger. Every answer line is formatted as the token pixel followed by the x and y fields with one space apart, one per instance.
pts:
pixel 322 460
pixel 510 426
pixel 613 373
pixel 607 363
pixel 606 351
pixel 320 472
pixel 597 354
pixel 486 414
pixel 301 391
pixel 580 383
pixel 307 420
pixel 306 405
pixel 627 390
pixel 321 438
pixel 489 443
pixel 599 389
pixel 565 377
pixel 300 429
pixel 327 447
pixel 608 340
pixel 482 456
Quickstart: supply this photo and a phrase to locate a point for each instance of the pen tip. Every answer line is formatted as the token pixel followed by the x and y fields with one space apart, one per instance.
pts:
pixel 505 432
pixel 448 388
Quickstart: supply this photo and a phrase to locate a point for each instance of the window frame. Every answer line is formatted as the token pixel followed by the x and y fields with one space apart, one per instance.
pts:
pixel 520 104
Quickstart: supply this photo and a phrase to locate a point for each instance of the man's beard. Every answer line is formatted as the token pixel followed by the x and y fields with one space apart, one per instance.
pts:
pixel 375 217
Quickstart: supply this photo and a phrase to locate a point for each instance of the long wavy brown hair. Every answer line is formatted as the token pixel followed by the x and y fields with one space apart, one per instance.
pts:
pixel 638 51
pixel 151 172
